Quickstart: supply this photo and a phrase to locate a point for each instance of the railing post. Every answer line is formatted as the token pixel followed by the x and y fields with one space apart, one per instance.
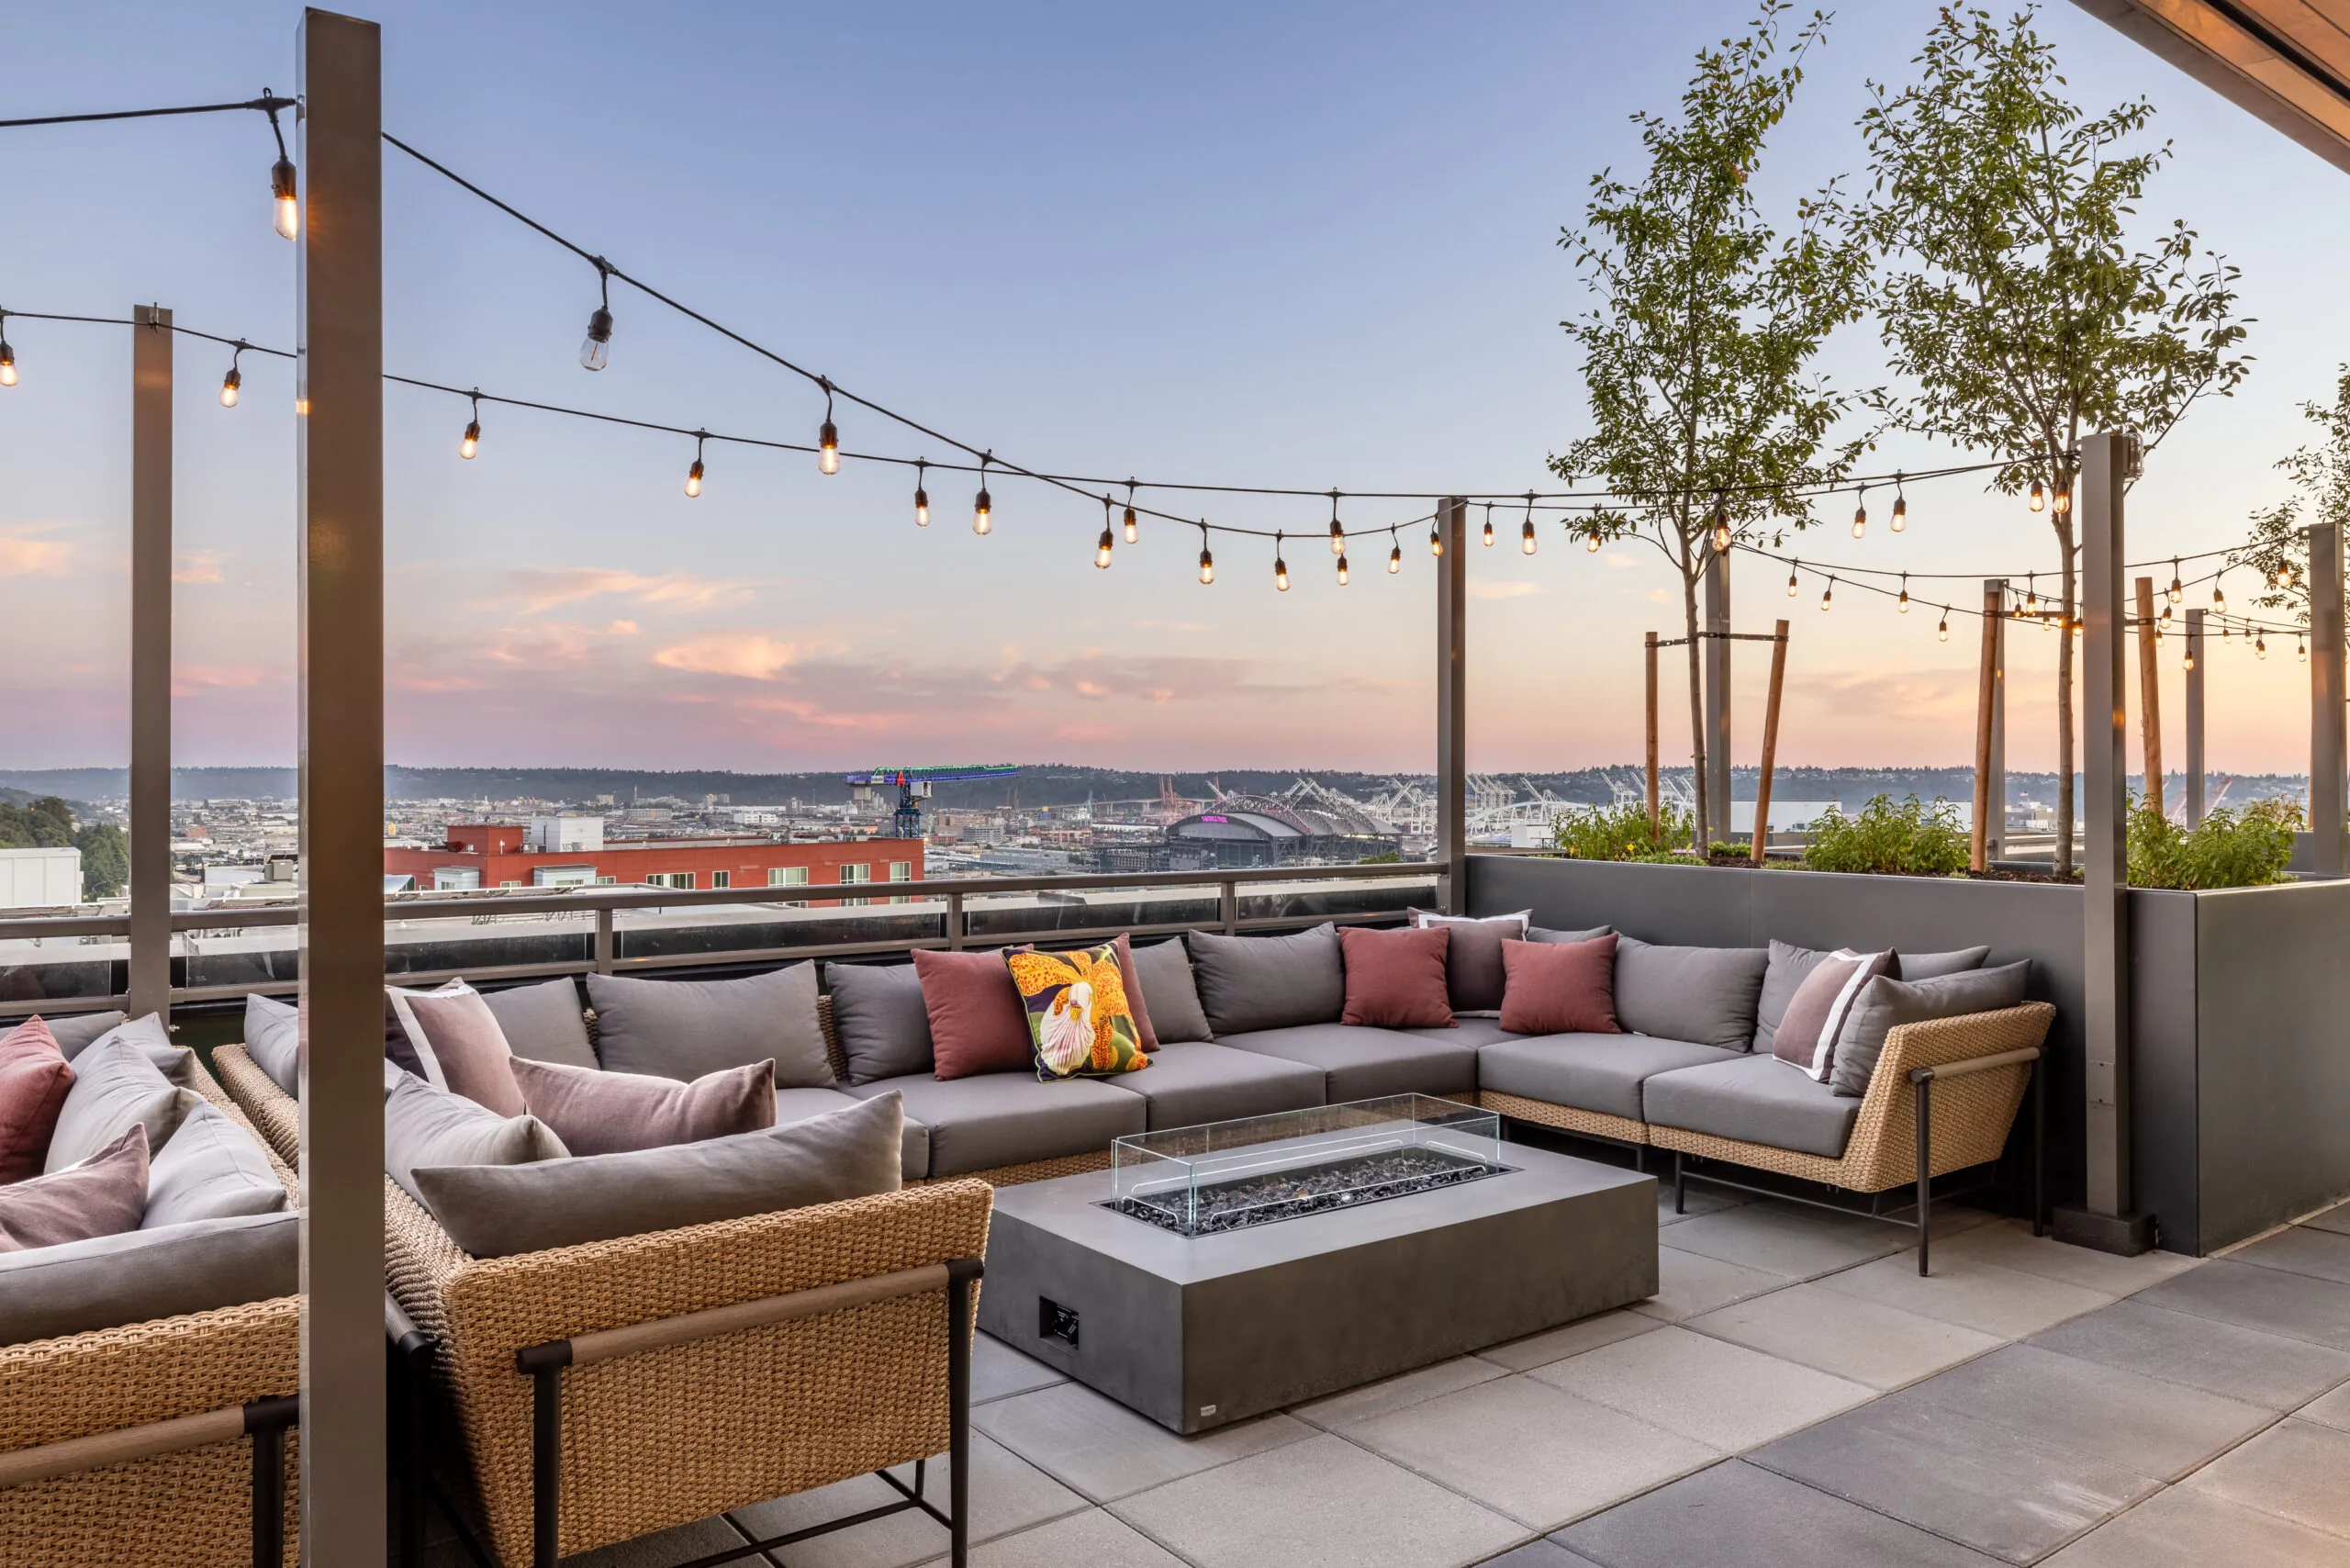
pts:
pixel 606 950
pixel 2195 718
pixel 150 661
pixel 1995 830
pixel 339 446
pixel 2327 761
pixel 1229 905
pixel 1452 700
pixel 954 923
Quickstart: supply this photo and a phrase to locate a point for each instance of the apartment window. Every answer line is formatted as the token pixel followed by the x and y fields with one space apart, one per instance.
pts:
pixel 606 881
pixel 722 879
pixel 509 884
pixel 901 870
pixel 671 880
pixel 787 875
pixel 856 873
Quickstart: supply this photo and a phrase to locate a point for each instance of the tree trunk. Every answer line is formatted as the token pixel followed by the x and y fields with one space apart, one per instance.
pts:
pixel 1696 696
pixel 2062 524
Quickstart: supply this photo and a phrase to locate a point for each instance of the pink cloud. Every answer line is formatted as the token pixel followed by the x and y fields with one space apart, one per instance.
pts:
pixel 23 557
pixel 189 680
pixel 199 567
pixel 748 656
pixel 535 591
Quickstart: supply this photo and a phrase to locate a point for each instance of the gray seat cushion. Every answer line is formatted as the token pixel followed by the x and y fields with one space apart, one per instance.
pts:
pixel 1009 1118
pixel 1469 1032
pixel 1589 1072
pixel 1269 982
pixel 212 1169
pixel 1196 1082
pixel 542 1022
pixel 1705 994
pixel 1359 1063
pixel 1754 1099
pixel 799 1104
pixel 687 1029
pixel 140 1275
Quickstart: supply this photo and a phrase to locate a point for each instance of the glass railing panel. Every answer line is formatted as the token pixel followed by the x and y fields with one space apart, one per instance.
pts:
pixel 716 931
pixel 1049 914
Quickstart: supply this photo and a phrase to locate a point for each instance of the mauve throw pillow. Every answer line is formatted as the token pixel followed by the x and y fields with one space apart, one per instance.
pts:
pixel 34 1079
pixel 1396 980
pixel 104 1196
pixel 1560 988
pixel 471 1048
pixel 1474 975
pixel 977 1024
pixel 1817 1014
pixel 612 1112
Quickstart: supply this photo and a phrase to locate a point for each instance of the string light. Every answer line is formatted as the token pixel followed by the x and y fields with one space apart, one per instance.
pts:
pixel 2039 496
pixel 472 441
pixel 2031 593
pixel 1338 528
pixel 1827 596
pixel 1280 566
pixel 2064 496
pixel 828 438
pixel 2178 589
pixel 1721 523
pixel 1591 541
pixel 2300 647
pixel 982 505
pixel 922 496
pixel 1342 571
pixel 1904 605
pixel 7 354
pixel 282 198
pixel 1207 558
pixel 1134 533
pixel 234 379
pixel 2219 601
pixel 1900 506
pixel 2285 575
pixel 1791 580
pixel 1525 535
pixel 693 474
pixel 1489 525
pixel 1943 631
pixel 596 349
pixel 2260 646
pixel 1102 546
pixel 1436 537
pixel 2189 660
pixel 1395 554
pixel 1861 514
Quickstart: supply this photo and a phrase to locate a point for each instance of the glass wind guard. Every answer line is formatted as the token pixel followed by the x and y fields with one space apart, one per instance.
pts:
pixel 1230 1175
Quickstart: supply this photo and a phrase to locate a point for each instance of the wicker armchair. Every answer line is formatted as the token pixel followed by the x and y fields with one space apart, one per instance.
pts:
pixel 162 1442
pixel 1948 1090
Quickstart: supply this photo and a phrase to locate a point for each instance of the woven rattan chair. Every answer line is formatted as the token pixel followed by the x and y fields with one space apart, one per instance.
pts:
pixel 154 1442
pixel 1943 1097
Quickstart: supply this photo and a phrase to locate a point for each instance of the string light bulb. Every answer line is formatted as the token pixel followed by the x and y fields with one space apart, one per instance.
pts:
pixel 2284 574
pixel 1591 541
pixel 2260 646
pixel 1134 529
pixel 1904 605
pixel 2064 497
pixel 1489 525
pixel 7 354
pixel 286 203
pixel 2039 497
pixel 1207 558
pixel 1721 524
pixel 471 443
pixel 982 504
pixel 1827 596
pixel 2218 599
pixel 1943 631
pixel 1861 513
pixel 1101 545
pixel 595 348
pixel 1280 566
pixel 1436 536
pixel 828 435
pixel 922 496
pixel 2189 660
pixel 2031 593
pixel 1338 528
pixel 2178 589
pixel 1525 535
pixel 1342 571
pixel 2300 647
pixel 1395 554
pixel 1900 506
pixel 693 474
pixel 234 379
pixel 1791 582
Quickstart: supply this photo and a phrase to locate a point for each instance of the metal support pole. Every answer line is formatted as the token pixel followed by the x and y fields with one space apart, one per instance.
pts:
pixel 1986 697
pixel 1717 703
pixel 962 1274
pixel 2195 764
pixel 340 444
pixel 2106 1222
pixel 1995 827
pixel 2150 699
pixel 1922 1086
pixel 2328 765
pixel 150 661
pixel 1654 803
pixel 1451 701
pixel 546 1464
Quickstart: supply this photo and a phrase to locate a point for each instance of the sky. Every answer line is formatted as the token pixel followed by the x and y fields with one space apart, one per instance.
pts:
pixel 1296 245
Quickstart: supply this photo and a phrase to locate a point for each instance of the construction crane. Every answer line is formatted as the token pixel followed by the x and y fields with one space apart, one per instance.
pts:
pixel 913 787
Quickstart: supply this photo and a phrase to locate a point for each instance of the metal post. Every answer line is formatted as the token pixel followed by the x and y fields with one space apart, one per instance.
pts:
pixel 2150 699
pixel 2195 766
pixel 1987 697
pixel 1654 804
pixel 339 426
pixel 546 1464
pixel 1452 701
pixel 2106 1222
pixel 1717 703
pixel 150 661
pixel 1995 828
pixel 607 949
pixel 2327 762
pixel 962 1274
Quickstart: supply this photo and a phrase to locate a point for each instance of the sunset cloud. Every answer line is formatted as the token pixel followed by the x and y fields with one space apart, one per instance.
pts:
pixel 1504 590
pixel 748 656
pixel 23 557
pixel 199 567
pixel 536 590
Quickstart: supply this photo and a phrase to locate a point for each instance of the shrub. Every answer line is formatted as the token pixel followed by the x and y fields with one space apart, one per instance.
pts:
pixel 1911 837
pixel 2232 850
pixel 1622 832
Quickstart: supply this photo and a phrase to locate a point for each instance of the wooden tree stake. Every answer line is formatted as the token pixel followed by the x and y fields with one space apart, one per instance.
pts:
pixel 1770 740
pixel 2150 723
pixel 1978 858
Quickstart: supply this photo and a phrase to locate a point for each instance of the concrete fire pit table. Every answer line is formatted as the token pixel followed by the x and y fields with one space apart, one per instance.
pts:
pixel 1213 1273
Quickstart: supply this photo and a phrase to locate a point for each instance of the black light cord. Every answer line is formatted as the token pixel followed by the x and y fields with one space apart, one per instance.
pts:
pixel 267 104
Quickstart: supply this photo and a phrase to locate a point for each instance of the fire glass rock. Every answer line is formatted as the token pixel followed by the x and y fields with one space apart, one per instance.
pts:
pixel 1312 1188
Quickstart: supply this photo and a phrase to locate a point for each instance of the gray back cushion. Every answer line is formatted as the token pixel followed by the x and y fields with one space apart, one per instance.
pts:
pixel 1886 1003
pixel 153 1038
pixel 687 1029
pixel 114 1085
pixel 1546 933
pixel 495 1211
pixel 212 1169
pixel 73 1031
pixel 1269 982
pixel 878 1012
pixel 424 1126
pixel 1163 971
pixel 544 1022
pixel 1705 995
pixel 273 1039
pixel 140 1275
pixel 1790 964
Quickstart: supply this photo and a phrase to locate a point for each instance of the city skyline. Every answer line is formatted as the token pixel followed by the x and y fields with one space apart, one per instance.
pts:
pixel 1186 288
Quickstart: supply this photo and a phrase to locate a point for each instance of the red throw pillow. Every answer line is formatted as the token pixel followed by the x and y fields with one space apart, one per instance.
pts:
pixel 1396 980
pixel 34 1077
pixel 472 1050
pixel 1559 988
pixel 977 1022
pixel 614 1113
pixel 104 1196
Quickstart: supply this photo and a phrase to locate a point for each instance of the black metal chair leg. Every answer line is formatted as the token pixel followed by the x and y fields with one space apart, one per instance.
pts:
pixel 546 1463
pixel 1680 1184
pixel 266 1420
pixel 1924 1088
pixel 962 1274
pixel 2039 1148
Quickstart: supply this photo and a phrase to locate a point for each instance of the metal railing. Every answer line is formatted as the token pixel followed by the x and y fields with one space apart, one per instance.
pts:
pixel 948 901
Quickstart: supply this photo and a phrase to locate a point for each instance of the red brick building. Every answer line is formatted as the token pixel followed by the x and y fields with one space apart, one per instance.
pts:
pixel 499 855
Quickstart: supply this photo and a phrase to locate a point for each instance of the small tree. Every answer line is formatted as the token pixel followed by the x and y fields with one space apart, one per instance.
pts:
pixel 2276 547
pixel 1694 359
pixel 2024 320
pixel 106 860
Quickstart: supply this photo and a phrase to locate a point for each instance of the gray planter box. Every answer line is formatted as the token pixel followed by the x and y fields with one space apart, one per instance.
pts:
pixel 2240 1003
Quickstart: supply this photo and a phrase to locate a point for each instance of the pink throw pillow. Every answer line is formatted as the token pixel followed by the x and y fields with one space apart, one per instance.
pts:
pixel 104 1196
pixel 1396 980
pixel 471 1048
pixel 1816 1013
pixel 1559 988
pixel 612 1112
pixel 977 1022
pixel 34 1079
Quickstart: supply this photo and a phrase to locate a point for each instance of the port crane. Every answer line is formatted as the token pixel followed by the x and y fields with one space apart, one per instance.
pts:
pixel 913 787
